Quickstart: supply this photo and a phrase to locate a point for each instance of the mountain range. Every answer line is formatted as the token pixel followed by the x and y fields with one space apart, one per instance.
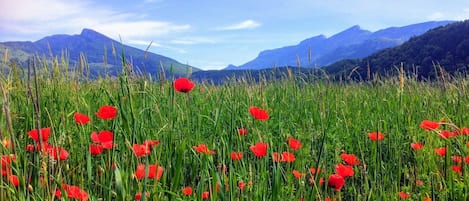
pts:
pixel 351 43
pixel 102 54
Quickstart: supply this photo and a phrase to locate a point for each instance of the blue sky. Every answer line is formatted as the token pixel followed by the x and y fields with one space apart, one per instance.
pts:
pixel 210 34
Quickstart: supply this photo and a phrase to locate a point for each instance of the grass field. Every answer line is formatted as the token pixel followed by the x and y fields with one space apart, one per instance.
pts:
pixel 201 154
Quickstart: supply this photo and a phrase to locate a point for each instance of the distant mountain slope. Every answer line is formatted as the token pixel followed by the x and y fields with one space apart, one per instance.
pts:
pixel 96 47
pixel 350 43
pixel 447 45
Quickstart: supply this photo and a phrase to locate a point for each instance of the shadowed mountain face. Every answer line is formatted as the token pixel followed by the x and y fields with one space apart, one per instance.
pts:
pixel 446 47
pixel 102 53
pixel 348 44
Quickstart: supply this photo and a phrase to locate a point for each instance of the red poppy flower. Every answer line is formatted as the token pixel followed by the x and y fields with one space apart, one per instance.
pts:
pixel 448 134
pixel 81 119
pixel 260 149
pixel 464 131
pixel 242 131
pixel 276 157
pixel 376 136
pixel 350 159
pixel 258 113
pixel 404 195
pixel 44 134
pixel 187 191
pixel 7 159
pixel 330 199
pixel 141 150
pixel 202 148
pixel 344 170
pixel 466 159
pixel 6 143
pixel 288 157
pixel 336 181
pixel 73 192
pixel 426 198
pixel 457 169
pixel 107 112
pixel 154 171
pixel 104 137
pixel 297 174
pixel 429 125
pixel 30 148
pixel 241 185
pixel 440 151
pixel 183 85
pixel 416 146
pixel 138 195
pixel 151 143
pixel 96 149
pixel 419 182
pixel 236 156
pixel 205 195
pixel 58 153
pixel 294 143
pixel 456 159
pixel 13 179
pixel 314 170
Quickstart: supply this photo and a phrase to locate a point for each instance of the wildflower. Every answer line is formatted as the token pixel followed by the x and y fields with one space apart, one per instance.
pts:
pixel 151 143
pixel 105 138
pixel 350 159
pixel 464 131
pixel 73 192
pixel 288 157
pixel 44 134
pixel 260 149
pixel 336 181
pixel 314 170
pixel 457 169
pixel 13 179
pixel 236 156
pixel 344 170
pixel 96 149
pixel 58 153
pixel 276 157
pixel 154 171
pixel 419 182
pixel 429 125
pixel 297 174
pixel 6 143
pixel 312 180
pixel 107 112
pixel 205 195
pixel 242 131
pixel 294 143
pixel 448 134
pixel 81 119
pixel 376 136
pixel 416 146
pixel 30 148
pixel 187 191
pixel 440 151
pixel 466 159
pixel 404 195
pixel 241 185
pixel 426 198
pixel 138 195
pixel 183 85
pixel 141 150
pixel 202 148
pixel 456 159
pixel 258 113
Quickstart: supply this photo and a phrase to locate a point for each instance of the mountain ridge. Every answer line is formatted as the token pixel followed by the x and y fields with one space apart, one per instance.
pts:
pixel 96 46
pixel 310 51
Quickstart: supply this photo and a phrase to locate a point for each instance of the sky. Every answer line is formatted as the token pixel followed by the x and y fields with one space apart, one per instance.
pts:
pixel 211 34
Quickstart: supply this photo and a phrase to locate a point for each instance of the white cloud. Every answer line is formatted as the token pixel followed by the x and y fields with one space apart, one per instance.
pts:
pixel 437 16
pixel 193 41
pixel 247 24
pixel 45 17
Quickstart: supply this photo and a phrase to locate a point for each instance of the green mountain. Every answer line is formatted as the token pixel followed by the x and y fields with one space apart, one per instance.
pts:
pixel 102 54
pixel 446 46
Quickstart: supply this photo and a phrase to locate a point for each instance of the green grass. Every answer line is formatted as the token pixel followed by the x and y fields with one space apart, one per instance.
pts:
pixel 328 118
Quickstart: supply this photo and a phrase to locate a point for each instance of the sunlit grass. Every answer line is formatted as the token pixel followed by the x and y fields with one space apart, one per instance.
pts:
pixel 328 118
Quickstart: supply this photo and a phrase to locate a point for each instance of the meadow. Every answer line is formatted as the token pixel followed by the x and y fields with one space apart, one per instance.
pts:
pixel 66 137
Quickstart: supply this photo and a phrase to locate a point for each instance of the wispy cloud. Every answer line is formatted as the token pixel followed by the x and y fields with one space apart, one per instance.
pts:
pixel 247 24
pixel 45 17
pixel 193 41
